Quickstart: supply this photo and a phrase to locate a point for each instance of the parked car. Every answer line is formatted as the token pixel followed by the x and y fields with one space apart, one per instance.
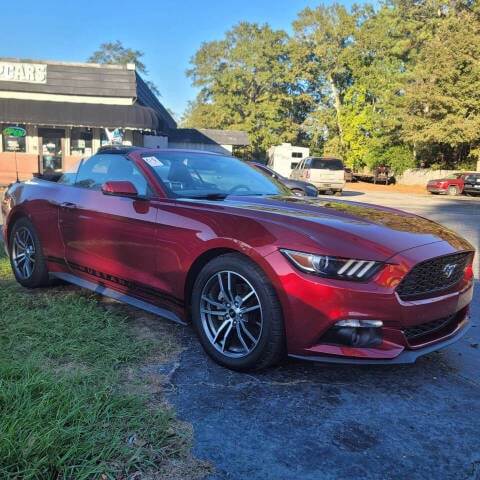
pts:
pixel 326 173
pixel 450 185
pixel 471 184
pixel 201 237
pixel 296 186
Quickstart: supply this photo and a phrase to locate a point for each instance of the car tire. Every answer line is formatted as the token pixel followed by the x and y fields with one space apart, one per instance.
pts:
pixel 453 190
pixel 26 255
pixel 338 193
pixel 237 315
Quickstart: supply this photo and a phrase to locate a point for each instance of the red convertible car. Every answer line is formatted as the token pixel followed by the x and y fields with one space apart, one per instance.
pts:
pixel 201 237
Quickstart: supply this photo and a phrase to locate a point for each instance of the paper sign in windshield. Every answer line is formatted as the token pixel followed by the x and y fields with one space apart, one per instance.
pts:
pixel 153 161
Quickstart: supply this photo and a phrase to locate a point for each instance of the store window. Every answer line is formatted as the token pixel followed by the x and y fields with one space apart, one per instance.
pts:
pixel 81 141
pixel 12 143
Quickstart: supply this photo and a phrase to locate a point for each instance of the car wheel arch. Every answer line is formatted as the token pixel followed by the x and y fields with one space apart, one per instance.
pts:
pixel 209 255
pixel 196 268
pixel 14 218
pixel 271 346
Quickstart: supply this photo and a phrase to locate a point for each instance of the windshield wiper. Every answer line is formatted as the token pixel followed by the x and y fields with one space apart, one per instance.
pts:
pixel 209 196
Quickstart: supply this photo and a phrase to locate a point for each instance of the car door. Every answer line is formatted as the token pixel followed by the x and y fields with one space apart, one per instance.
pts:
pixel 107 238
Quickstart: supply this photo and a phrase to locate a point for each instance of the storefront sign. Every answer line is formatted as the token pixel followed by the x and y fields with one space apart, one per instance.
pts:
pixel 14 132
pixel 23 72
pixel 14 140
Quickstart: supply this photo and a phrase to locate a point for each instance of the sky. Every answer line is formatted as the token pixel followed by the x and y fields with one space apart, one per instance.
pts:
pixel 168 33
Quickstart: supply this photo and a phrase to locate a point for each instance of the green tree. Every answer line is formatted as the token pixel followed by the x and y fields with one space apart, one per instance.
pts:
pixel 245 84
pixel 397 86
pixel 323 37
pixel 377 60
pixel 442 102
pixel 114 53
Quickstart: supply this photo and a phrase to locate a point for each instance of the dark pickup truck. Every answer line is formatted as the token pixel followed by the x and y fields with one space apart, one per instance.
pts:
pixel 471 184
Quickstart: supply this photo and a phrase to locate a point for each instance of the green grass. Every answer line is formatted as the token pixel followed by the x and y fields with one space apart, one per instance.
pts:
pixel 67 407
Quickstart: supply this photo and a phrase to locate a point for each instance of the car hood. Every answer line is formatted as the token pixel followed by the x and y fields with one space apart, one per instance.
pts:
pixel 338 225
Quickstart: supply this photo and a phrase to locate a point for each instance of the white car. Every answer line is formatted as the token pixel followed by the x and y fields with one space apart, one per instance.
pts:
pixel 326 173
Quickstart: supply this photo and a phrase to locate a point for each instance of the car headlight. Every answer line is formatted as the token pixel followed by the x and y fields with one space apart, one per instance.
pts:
pixel 333 267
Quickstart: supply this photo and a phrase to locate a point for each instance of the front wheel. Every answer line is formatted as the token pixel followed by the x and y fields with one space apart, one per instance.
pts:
pixel 453 190
pixel 236 314
pixel 26 255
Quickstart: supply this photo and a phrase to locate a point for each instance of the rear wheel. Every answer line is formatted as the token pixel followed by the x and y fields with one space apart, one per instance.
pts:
pixel 26 255
pixel 236 314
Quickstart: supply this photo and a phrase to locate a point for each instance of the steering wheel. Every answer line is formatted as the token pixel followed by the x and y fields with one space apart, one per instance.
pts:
pixel 240 186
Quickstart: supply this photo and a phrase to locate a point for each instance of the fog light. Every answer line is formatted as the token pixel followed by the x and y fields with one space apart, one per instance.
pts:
pixel 355 333
pixel 360 323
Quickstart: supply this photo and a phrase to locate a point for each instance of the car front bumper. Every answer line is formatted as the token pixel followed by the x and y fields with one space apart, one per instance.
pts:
pixel 436 190
pixel 405 356
pixel 313 307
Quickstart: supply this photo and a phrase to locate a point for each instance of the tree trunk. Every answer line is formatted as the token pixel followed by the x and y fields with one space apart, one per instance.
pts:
pixel 338 110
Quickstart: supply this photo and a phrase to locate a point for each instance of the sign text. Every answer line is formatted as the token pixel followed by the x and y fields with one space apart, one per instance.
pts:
pixel 23 72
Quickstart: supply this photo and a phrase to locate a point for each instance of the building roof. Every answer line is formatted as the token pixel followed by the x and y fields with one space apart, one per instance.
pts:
pixel 65 78
pixel 209 136
pixel 78 86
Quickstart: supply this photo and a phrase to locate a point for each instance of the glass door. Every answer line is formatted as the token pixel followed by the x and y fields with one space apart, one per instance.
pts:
pixel 51 144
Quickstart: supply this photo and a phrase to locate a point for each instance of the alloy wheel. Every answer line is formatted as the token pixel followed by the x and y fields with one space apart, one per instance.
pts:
pixel 231 314
pixel 24 253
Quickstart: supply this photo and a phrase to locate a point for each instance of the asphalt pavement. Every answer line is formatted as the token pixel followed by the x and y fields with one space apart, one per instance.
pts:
pixel 307 421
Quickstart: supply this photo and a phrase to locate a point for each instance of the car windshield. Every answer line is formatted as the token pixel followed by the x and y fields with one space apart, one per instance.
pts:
pixel 206 175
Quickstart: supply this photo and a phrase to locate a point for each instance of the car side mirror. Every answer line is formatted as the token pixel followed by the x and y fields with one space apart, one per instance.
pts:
pixel 120 189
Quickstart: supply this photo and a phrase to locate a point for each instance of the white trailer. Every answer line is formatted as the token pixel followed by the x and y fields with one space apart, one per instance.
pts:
pixel 283 158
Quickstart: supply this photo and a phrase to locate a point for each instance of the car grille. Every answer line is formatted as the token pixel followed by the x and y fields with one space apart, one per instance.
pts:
pixel 418 331
pixel 433 276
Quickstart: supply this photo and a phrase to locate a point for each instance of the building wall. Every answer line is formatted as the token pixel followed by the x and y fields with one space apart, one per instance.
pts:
pixel 155 141
pixel 210 147
pixel 26 165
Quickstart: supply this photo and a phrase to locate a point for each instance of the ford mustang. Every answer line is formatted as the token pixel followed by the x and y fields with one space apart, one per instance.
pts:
pixel 260 273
